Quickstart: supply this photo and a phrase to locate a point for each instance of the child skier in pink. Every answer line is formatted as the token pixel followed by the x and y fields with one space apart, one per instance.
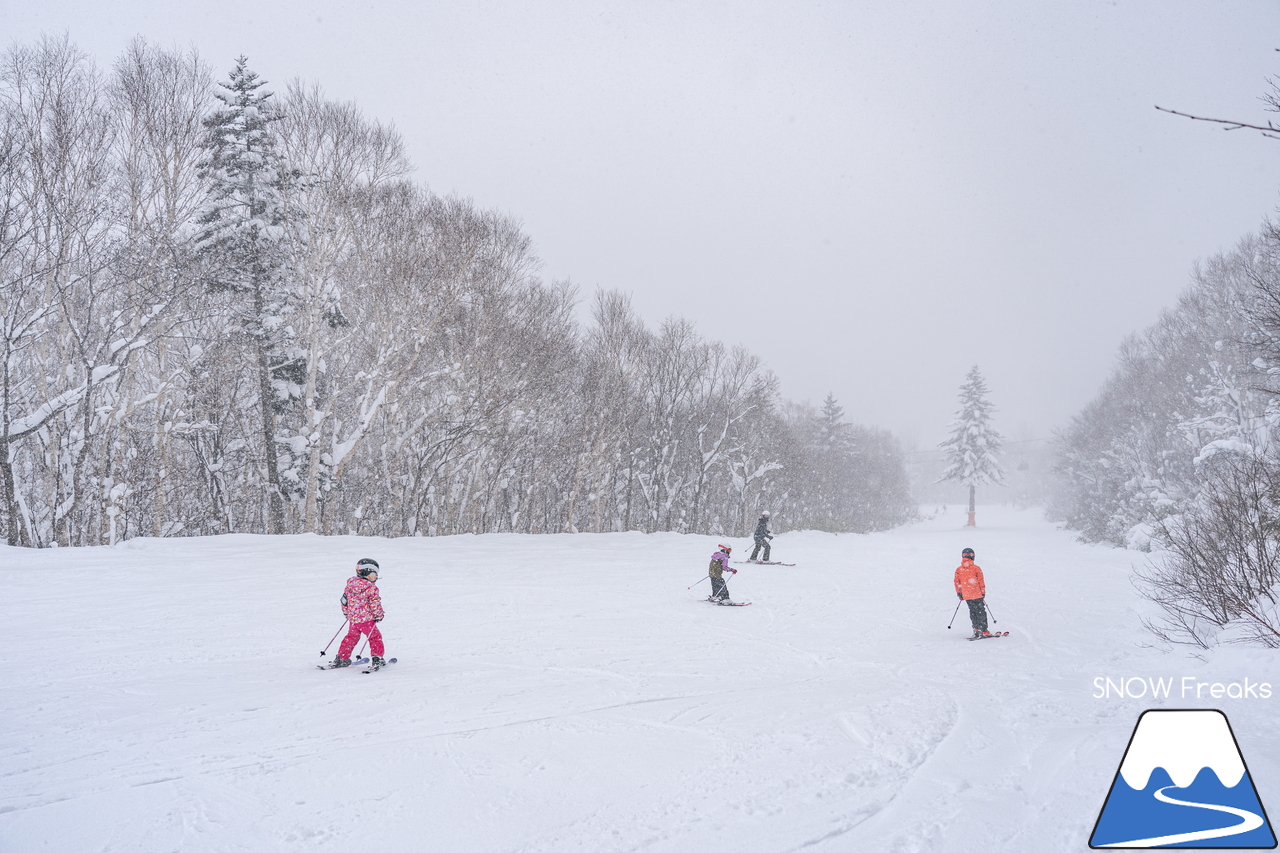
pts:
pixel 362 605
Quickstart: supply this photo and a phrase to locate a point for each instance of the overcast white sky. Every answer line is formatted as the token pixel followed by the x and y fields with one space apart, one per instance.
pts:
pixel 872 196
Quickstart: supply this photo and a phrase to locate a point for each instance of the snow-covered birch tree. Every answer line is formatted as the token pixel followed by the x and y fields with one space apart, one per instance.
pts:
pixel 58 242
pixel 611 363
pixel 674 364
pixel 346 158
pixel 160 99
pixel 733 385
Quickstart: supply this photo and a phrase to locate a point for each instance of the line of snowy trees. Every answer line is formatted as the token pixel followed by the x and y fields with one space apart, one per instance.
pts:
pixel 223 309
pixel 1179 452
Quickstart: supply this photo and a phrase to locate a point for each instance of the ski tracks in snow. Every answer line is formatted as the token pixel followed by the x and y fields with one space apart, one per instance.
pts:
pixel 557 708
pixel 779 783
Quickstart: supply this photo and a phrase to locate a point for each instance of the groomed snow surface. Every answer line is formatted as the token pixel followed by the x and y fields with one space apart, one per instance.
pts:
pixel 569 693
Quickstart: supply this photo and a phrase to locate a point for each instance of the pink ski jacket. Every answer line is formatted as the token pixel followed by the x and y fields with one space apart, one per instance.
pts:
pixel 361 601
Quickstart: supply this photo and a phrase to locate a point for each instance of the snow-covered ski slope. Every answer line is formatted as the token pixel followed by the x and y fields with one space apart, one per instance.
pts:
pixel 568 693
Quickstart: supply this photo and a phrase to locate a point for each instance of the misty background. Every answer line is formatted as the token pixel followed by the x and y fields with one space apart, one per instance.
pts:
pixel 872 196
pixel 870 199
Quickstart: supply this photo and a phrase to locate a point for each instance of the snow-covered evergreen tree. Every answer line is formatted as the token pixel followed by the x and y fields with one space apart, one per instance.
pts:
pixel 973 449
pixel 848 477
pixel 833 433
pixel 243 238
pixel 831 462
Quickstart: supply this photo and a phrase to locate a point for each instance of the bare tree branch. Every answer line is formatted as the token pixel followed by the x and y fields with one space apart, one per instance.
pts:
pixel 1269 131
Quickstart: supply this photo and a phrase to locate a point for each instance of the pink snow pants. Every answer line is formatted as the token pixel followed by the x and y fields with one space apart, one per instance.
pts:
pixel 369 629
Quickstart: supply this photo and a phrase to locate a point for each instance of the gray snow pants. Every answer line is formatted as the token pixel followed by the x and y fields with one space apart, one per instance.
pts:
pixel 978 613
pixel 719 590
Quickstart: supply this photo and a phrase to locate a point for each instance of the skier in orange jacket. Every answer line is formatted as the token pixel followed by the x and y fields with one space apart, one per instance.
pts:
pixel 971 588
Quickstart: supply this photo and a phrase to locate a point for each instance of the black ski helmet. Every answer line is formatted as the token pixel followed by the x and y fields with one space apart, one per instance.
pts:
pixel 367 567
pixel 967 552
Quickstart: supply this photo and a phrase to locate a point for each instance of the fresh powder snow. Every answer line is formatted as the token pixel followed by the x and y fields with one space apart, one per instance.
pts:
pixel 571 693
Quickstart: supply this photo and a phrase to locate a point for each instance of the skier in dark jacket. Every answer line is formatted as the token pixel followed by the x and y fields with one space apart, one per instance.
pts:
pixel 720 565
pixel 762 537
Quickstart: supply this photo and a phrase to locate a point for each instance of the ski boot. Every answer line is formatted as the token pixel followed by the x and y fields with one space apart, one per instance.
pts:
pixel 339 663
pixel 376 662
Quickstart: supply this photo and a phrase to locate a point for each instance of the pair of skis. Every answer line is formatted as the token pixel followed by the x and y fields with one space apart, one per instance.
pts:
pixel 359 663
pixel 990 636
pixel 710 600
pixel 761 563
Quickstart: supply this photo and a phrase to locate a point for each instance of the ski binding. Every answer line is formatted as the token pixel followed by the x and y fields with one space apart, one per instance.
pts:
pixel 357 662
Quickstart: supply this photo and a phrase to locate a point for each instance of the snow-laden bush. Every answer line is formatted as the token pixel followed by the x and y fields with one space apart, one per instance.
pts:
pixel 1221 564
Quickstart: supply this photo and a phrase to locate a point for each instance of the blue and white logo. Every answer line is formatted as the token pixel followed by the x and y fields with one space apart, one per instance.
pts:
pixel 1183 783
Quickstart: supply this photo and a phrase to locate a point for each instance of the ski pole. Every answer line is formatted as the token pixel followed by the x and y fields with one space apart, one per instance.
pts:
pixel 953 614
pixel 360 653
pixel 695 583
pixel 335 636
pixel 988 606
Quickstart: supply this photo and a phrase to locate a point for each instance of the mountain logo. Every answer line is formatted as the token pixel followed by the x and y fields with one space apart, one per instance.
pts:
pixel 1183 783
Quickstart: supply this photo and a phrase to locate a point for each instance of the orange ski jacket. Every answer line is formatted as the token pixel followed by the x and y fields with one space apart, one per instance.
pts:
pixel 969 581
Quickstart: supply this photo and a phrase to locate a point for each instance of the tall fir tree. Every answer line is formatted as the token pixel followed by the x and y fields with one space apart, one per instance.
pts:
pixel 831 462
pixel 833 433
pixel 243 240
pixel 973 449
pixel 855 479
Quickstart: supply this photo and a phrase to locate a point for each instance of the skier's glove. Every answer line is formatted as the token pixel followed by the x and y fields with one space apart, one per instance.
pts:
pixel 770 536
pixel 735 571
pixel 960 596
pixel 379 619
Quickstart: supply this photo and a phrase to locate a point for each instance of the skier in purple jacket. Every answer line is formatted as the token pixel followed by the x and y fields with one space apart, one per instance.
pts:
pixel 720 565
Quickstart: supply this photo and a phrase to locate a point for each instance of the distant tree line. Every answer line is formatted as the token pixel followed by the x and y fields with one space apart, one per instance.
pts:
pixel 226 310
